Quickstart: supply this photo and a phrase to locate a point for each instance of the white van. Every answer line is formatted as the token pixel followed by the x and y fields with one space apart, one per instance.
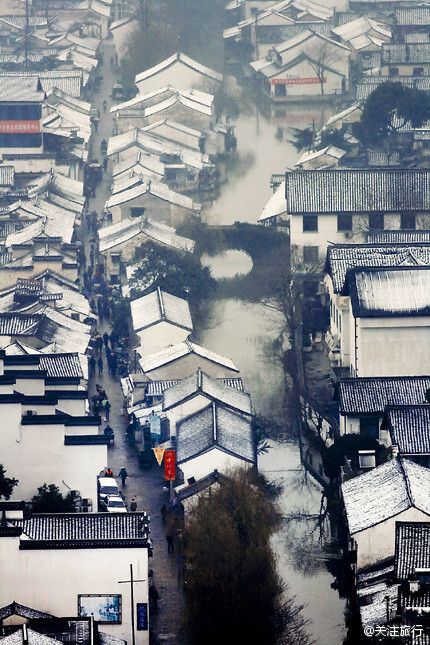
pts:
pixel 106 486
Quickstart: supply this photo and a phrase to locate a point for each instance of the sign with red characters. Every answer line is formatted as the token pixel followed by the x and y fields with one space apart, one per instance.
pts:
pixel 19 126
pixel 169 465
pixel 297 81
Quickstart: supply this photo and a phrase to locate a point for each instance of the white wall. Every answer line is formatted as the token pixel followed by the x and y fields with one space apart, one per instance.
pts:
pixel 159 336
pixel 60 575
pixel 214 459
pixel 176 414
pixel 333 84
pixel 387 346
pixel 377 542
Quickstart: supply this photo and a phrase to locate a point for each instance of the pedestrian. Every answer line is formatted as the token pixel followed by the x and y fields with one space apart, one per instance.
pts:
pixel 99 344
pixel 104 105
pixel 169 539
pixel 113 340
pixel 106 406
pixel 164 513
pixel 106 339
pixel 113 365
pixel 133 505
pixel 123 474
pixel 153 596
pixel 108 472
pixel 92 365
pixel 105 163
pixel 100 365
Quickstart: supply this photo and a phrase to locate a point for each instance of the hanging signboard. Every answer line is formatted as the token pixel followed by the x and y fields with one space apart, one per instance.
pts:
pixel 19 126
pixel 155 427
pixel 297 81
pixel 142 616
pixel 159 452
pixel 169 465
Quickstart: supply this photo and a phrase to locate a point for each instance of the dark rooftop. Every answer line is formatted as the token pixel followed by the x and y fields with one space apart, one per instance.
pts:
pixel 412 549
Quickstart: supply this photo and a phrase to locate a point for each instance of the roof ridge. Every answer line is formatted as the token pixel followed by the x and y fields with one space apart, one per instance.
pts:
pixel 406 480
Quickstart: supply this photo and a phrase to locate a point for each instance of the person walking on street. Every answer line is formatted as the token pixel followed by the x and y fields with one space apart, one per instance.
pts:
pixel 153 597
pixel 106 406
pixel 106 339
pixel 113 365
pixel 100 365
pixel 133 505
pixel 92 365
pixel 169 539
pixel 123 474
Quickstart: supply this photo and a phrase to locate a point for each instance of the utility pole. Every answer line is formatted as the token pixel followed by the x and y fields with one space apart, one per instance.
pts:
pixel 131 583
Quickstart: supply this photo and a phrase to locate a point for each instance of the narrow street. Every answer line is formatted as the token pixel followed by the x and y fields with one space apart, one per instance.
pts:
pixel 146 486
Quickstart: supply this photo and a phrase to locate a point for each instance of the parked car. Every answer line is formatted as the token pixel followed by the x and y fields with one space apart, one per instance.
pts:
pixel 106 486
pixel 115 504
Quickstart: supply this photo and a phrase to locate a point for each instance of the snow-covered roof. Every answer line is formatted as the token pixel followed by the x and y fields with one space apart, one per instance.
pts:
pixel 144 102
pixel 185 60
pixel 330 151
pixel 276 204
pixel 389 292
pixel 360 26
pixel 160 306
pixel 156 189
pixel 384 492
pixel 344 113
pixel 174 352
pixel 212 388
pixel 111 236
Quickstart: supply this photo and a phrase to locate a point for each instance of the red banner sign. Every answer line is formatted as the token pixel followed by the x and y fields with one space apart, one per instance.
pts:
pixel 297 81
pixel 19 126
pixel 169 465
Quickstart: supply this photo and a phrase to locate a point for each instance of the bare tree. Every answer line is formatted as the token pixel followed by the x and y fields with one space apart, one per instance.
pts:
pixel 322 57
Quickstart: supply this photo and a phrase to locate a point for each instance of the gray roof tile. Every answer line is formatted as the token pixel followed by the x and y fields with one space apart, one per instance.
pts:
pixel 160 306
pixel 357 191
pixel 405 53
pixel 412 549
pixel 409 427
pixel 372 395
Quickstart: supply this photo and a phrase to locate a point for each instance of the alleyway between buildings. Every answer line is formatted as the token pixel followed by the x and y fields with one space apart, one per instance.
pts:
pixel 146 486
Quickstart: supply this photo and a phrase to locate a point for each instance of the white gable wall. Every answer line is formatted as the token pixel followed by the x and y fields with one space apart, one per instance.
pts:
pixel 158 336
pixel 387 346
pixel 377 542
pixel 213 459
pixel 179 412
pixel 60 575
pixel 304 81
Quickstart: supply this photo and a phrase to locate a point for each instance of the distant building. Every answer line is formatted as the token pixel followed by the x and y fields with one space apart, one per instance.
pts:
pixel 182 72
pixel 407 427
pixel 21 102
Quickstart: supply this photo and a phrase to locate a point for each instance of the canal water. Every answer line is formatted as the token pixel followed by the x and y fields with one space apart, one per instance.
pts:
pixel 243 331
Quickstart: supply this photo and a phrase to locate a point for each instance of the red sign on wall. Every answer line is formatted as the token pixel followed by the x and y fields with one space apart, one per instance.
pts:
pixel 297 81
pixel 169 465
pixel 19 126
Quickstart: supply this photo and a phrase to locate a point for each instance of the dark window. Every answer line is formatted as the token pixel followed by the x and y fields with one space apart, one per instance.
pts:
pixel 370 426
pixel 280 90
pixel 418 71
pixel 137 211
pixel 115 258
pixel 376 221
pixel 344 222
pixel 310 223
pixel 310 254
pixel 170 174
pixel 394 71
pixel 407 221
pixel 74 316
pixel 114 278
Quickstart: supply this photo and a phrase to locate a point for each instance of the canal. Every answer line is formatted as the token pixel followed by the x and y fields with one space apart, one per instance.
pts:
pixel 243 331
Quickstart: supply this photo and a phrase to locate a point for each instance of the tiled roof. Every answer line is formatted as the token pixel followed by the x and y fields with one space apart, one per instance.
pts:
pixel 380 158
pixel 174 352
pixel 372 395
pixel 186 61
pixel 342 258
pixel 357 191
pixel 67 80
pixel 409 427
pixel 398 237
pixel 15 324
pixel 7 175
pixel 83 530
pixel 200 383
pixel 389 292
pixel 412 549
pixel 214 426
pixel 366 85
pixel 156 388
pixel 31 638
pixel 20 90
pixel 412 16
pixel 160 306
pixel 385 492
pixel 21 610
pixel 405 53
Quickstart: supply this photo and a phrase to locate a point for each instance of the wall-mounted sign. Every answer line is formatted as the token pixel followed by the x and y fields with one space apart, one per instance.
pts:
pixel 297 81
pixel 106 608
pixel 142 616
pixel 169 465
pixel 19 126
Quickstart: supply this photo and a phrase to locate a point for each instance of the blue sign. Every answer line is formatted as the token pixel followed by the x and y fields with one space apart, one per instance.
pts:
pixel 142 616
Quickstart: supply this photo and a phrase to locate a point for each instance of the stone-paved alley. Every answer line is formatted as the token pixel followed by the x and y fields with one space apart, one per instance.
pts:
pixel 146 486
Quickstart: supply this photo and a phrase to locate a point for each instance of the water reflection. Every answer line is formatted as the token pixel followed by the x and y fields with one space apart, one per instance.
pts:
pixel 228 264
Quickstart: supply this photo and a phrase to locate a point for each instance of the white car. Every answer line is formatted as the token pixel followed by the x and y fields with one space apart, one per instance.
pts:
pixel 115 504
